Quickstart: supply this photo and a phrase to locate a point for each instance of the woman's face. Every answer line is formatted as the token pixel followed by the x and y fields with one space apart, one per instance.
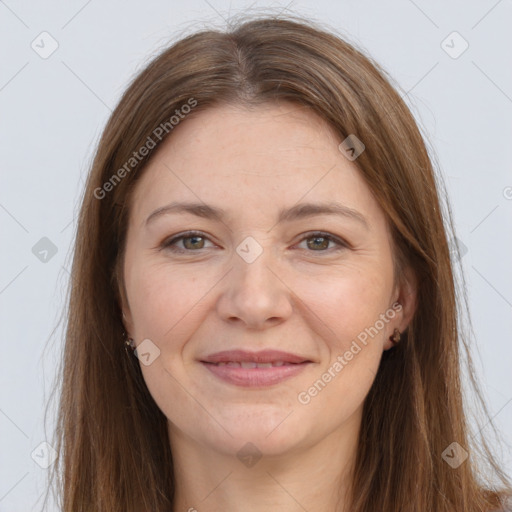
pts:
pixel 259 277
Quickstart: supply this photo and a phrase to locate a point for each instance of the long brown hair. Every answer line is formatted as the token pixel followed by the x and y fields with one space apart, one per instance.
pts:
pixel 114 452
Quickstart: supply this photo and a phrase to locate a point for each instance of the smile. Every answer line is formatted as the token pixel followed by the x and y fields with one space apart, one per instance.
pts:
pixel 248 374
pixel 252 364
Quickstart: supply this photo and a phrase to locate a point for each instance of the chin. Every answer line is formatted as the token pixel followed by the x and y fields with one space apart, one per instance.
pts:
pixel 272 430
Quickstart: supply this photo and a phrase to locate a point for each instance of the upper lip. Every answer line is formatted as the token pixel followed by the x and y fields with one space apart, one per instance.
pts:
pixel 263 356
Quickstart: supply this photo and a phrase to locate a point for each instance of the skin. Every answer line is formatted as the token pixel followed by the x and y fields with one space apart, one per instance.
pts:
pixel 301 295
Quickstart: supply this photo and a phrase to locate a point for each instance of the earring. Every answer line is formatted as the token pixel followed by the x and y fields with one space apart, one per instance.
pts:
pixel 395 337
pixel 128 344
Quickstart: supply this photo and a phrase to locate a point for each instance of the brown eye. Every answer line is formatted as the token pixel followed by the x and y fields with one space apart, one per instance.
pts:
pixel 319 242
pixel 191 242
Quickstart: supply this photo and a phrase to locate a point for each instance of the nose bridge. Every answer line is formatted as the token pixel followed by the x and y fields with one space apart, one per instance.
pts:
pixel 254 294
pixel 251 262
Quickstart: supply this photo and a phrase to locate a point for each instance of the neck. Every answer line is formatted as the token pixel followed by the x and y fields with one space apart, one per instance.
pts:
pixel 313 478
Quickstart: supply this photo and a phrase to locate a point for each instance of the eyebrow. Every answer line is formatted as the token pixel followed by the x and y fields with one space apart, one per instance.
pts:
pixel 299 211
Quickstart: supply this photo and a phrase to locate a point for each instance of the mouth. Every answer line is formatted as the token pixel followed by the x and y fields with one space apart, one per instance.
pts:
pixel 252 364
pixel 255 369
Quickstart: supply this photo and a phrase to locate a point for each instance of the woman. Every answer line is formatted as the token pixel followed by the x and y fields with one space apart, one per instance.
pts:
pixel 262 312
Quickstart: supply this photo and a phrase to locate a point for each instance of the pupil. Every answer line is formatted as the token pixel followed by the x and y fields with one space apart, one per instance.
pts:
pixel 193 240
pixel 323 246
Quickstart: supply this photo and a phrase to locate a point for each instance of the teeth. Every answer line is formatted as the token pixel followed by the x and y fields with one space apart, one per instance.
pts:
pixel 251 364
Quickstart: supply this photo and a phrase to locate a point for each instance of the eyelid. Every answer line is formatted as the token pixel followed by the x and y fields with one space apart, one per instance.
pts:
pixel 329 236
pixel 171 241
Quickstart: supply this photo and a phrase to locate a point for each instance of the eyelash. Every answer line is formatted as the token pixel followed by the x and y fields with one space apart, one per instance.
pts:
pixel 169 243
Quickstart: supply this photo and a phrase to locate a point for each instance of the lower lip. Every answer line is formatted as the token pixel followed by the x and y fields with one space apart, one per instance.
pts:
pixel 255 377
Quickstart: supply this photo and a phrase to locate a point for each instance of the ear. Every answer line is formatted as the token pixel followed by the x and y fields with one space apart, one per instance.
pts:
pixel 127 321
pixel 125 311
pixel 406 295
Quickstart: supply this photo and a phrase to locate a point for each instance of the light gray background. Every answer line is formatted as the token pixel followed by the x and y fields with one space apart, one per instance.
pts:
pixel 53 111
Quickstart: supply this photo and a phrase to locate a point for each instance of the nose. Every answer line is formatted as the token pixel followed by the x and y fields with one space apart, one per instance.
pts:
pixel 255 294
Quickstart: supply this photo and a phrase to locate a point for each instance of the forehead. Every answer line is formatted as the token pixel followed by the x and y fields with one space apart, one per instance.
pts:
pixel 240 158
pixel 253 137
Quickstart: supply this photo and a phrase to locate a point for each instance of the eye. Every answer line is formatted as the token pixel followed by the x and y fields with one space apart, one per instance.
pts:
pixel 193 241
pixel 320 241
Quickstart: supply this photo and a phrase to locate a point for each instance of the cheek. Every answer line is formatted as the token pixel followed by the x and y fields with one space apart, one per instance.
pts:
pixel 349 301
pixel 350 312
pixel 166 307
pixel 164 299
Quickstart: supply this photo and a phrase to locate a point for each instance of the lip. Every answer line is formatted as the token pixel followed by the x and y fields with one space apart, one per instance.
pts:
pixel 292 365
pixel 263 356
